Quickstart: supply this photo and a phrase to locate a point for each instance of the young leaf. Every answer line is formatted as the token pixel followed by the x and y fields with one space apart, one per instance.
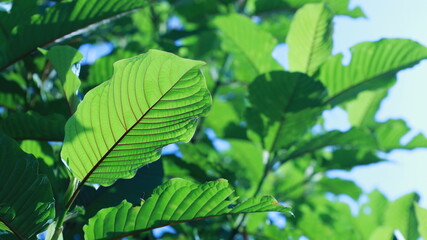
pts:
pixel 26 200
pixel 61 19
pixel 310 38
pixel 174 202
pixel 373 65
pixel 152 100
pixel 63 58
pixel 251 46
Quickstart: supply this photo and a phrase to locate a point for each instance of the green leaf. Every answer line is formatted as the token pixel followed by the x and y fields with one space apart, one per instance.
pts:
pixel 284 106
pixel 382 232
pixel 174 202
pixel 152 100
pixel 26 201
pixel 63 58
pixel 340 7
pixel 373 65
pixel 310 38
pixel 422 220
pixel 246 160
pixel 60 20
pixel 32 125
pixel 12 95
pixel 340 186
pixel 389 134
pixel 250 45
pixel 362 110
pixel 147 179
pixel 401 215
pixel 371 214
pixel 355 138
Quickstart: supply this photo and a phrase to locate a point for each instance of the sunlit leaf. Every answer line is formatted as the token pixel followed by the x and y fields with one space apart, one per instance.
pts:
pixel 373 65
pixel 251 46
pixel 152 100
pixel 174 202
pixel 310 38
pixel 401 215
pixel 422 220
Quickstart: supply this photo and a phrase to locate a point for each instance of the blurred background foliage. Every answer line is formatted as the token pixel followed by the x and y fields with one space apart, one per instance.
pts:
pixel 265 131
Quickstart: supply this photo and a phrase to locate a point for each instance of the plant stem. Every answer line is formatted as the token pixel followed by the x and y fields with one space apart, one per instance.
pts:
pixel 267 170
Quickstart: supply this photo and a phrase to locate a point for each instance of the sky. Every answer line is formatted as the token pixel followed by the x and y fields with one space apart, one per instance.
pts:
pixel 406 172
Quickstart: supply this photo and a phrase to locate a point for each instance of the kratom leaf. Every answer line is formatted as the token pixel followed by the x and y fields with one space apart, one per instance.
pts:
pixel 340 7
pixel 361 111
pixel 422 220
pixel 310 38
pixel 356 138
pixel 373 65
pixel 284 106
pixel 340 186
pixel 31 125
pixel 371 214
pixel 174 202
pixel 63 58
pixel 400 215
pixel 60 20
pixel 390 133
pixel 152 100
pixel 251 46
pixel 26 201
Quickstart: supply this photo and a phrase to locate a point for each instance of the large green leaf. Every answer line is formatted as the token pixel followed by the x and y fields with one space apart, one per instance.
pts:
pixel 63 58
pixel 26 201
pixel 61 19
pixel 401 215
pixel 152 100
pixel 284 106
pixel 251 46
pixel 174 202
pixel 373 65
pixel 310 38
pixel 31 125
